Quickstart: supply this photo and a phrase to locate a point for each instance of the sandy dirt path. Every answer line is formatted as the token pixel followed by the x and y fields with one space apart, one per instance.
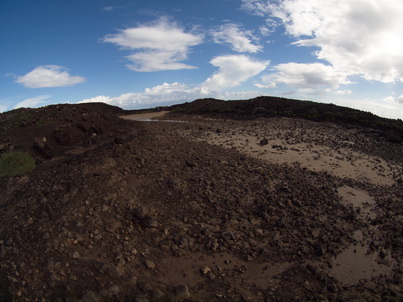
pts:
pixel 144 117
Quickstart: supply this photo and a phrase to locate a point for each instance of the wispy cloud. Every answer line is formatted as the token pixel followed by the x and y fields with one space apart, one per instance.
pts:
pixel 315 76
pixel 233 70
pixel 343 92
pixel 48 76
pixel 239 40
pixel 360 37
pixel 161 45
pixel 108 8
pixel 32 102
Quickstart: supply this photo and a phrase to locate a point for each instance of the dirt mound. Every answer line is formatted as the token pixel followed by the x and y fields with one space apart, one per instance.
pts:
pixel 51 131
pixel 119 210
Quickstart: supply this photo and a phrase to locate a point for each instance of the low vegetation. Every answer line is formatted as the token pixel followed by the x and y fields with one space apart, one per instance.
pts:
pixel 16 163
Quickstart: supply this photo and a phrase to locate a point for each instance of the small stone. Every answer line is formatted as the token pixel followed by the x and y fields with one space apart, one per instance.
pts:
pixel 157 294
pixel 332 288
pixel 263 142
pixel 205 270
pixel 211 276
pixel 312 268
pixel 90 296
pixel 259 232
pixel 76 255
pixel 119 140
pixel 183 291
pixel 114 289
pixel 150 264
pixel 149 222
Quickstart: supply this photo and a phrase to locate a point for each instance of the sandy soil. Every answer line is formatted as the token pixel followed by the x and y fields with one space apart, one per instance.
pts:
pixel 321 148
pixel 145 117
pixel 305 144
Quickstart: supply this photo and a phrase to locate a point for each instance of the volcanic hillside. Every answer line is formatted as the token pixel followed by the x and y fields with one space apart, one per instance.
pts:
pixel 208 205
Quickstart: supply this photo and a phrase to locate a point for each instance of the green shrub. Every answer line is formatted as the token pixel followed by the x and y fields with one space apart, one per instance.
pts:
pixel 16 163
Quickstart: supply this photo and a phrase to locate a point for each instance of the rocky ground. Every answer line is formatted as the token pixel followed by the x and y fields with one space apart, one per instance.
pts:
pixel 198 210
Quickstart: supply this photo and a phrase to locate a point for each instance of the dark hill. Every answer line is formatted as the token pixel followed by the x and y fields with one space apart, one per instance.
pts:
pixel 53 130
pixel 265 107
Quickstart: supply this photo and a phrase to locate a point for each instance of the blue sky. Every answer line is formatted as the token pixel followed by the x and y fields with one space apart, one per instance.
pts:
pixel 140 54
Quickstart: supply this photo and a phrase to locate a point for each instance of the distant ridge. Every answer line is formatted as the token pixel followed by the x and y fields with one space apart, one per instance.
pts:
pixel 267 106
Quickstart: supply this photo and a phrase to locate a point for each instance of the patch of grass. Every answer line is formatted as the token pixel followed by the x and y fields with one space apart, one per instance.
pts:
pixel 16 163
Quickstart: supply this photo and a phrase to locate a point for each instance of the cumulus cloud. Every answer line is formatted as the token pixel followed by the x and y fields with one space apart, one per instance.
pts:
pixel 343 92
pixel 392 99
pixel 159 46
pixel 48 76
pixel 233 70
pixel 164 93
pixel 239 40
pixel 32 102
pixel 304 76
pixel 358 37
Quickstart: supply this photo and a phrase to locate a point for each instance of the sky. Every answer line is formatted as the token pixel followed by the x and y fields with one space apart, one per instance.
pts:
pixel 140 54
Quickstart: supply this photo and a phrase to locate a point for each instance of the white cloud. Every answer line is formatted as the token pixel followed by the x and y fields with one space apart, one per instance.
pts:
pixel 148 61
pixel 258 7
pixel 237 95
pixel 304 76
pixel 343 92
pixel 108 8
pixel 239 40
pixel 392 99
pixel 32 102
pixel 165 93
pixel 389 99
pixel 48 76
pixel 388 110
pixel 160 46
pixel 233 70
pixel 358 37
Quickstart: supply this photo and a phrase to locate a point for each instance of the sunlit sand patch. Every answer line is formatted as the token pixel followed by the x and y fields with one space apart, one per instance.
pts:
pixel 307 149
pixel 192 269
pixel 143 117
pixel 358 261
pixel 360 200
